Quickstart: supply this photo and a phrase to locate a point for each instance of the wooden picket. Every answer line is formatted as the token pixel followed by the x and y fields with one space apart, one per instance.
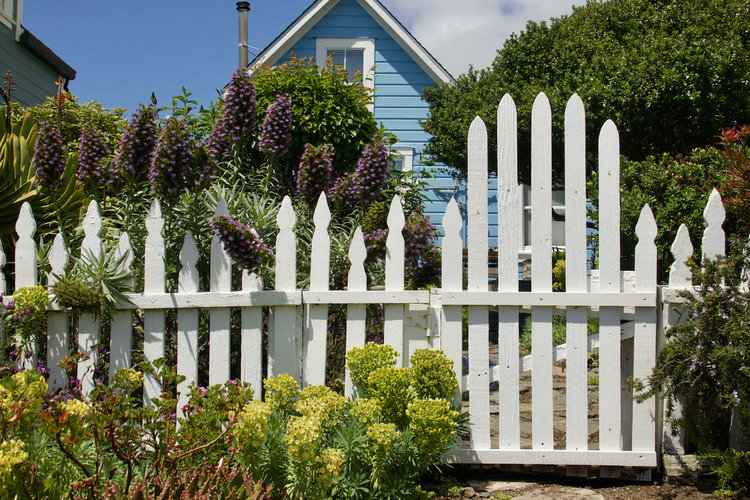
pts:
pixel 633 312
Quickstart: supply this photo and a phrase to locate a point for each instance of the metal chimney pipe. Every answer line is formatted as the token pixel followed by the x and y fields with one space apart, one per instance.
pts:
pixel 243 8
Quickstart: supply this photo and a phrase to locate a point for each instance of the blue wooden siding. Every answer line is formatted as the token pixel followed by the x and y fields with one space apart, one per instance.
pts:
pixel 399 81
pixel 33 80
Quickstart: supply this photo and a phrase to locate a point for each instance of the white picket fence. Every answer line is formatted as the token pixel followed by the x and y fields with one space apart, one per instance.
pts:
pixel 629 431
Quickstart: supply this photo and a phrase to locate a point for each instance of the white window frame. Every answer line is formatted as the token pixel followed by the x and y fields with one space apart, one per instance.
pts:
pixel 323 45
pixel 6 13
pixel 407 157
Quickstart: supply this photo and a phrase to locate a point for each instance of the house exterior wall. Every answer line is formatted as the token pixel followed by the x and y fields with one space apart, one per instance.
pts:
pixel 399 81
pixel 33 79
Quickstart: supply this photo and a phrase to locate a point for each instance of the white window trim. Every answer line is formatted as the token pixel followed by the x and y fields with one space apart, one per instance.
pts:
pixel 6 14
pixel 322 45
pixel 407 155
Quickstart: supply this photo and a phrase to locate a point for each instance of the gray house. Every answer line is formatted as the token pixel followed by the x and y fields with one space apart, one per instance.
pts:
pixel 34 66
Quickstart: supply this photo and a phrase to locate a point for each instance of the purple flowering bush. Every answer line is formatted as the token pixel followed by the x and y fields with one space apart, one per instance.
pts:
pixel 315 171
pixel 49 158
pixel 706 359
pixel 133 159
pixel 242 243
pixel 237 120
pixel 93 166
pixel 365 184
pixel 276 131
pixel 172 169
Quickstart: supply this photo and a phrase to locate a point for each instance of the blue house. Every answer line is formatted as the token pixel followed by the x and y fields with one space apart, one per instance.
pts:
pixel 364 35
pixel 34 66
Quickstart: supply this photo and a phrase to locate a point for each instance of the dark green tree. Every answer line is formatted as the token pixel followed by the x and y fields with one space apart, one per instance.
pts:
pixel 670 73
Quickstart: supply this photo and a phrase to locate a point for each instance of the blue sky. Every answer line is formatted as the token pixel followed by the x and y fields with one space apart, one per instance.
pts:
pixel 123 51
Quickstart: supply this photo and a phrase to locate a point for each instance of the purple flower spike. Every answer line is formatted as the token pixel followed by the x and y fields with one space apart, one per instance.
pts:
pixel 133 159
pixel 276 131
pixel 241 243
pixel 315 171
pixel 365 184
pixel 93 170
pixel 237 121
pixel 172 163
pixel 49 158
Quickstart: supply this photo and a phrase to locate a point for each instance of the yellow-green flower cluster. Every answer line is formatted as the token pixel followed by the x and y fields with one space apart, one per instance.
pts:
pixel 252 424
pixel 432 423
pixel 30 312
pixel 432 375
pixel 382 436
pixel 12 454
pixel 362 361
pixel 282 392
pixel 302 436
pixel 366 411
pixel 330 462
pixel 321 401
pixel 69 421
pixel 21 397
pixel 128 379
pixel 391 387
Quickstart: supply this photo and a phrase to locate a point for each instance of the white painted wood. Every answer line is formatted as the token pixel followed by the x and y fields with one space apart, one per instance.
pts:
pixel 576 367
pixel 153 282
pixel 356 315
pixel 554 457
pixel 122 320
pixel 508 242
pixel 187 322
pixel 714 240
pixel 316 324
pixel 284 341
pixel 609 273
pixel 680 274
pixel 251 359
pixel 532 299
pixel 478 241
pixel 644 356
pixel 541 272
pixel 26 269
pixel 88 324
pixel 393 329
pixel 452 279
pixel 219 349
pixel 57 321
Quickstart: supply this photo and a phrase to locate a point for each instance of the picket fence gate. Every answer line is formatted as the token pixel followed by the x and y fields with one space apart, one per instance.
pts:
pixel 628 304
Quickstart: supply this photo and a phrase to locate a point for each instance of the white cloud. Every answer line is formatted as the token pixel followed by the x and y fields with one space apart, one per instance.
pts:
pixel 460 33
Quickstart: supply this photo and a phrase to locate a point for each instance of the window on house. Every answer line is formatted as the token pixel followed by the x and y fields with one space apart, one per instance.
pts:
pixel 404 160
pixel 352 60
pixel 354 54
pixel 6 12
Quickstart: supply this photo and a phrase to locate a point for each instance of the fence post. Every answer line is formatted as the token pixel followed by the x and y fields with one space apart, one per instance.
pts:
pixel 393 331
pixel 153 282
pixel 221 281
pixel 89 325
pixel 121 341
pixel 26 269
pixel 452 281
pixel 57 321
pixel 187 321
pixel 356 314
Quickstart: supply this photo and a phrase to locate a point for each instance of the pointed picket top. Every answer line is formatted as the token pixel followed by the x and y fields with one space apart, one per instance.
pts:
pixel 286 219
pixel 357 279
pixel 394 243
pixel 575 194
pixel 92 226
pixel 507 152
pixel 153 281
pixel 125 251
pixel 154 222
pixel 322 215
pixel 25 248
pixel 58 259
pixel 645 250
pixel 221 207
pixel 26 224
pixel 714 238
pixel 680 274
pixel 452 270
pixel 188 278
pixel 452 221
pixel 320 258
pixel 609 207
